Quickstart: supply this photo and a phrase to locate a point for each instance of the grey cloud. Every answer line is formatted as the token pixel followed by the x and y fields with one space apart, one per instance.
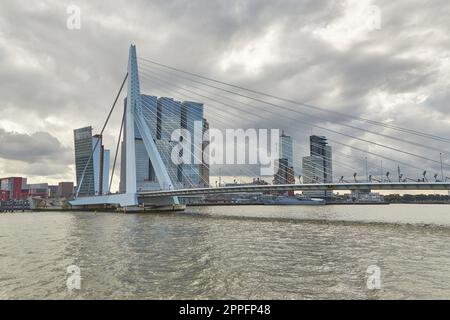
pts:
pixel 34 148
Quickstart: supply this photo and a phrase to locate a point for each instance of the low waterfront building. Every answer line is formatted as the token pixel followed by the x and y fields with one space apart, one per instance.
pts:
pixel 52 191
pixel 13 188
pixel 38 190
pixel 65 190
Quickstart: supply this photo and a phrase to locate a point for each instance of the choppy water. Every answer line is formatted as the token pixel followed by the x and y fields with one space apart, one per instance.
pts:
pixel 229 252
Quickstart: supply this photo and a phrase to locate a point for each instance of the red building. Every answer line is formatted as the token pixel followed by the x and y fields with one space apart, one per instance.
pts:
pixel 13 188
pixel 4 195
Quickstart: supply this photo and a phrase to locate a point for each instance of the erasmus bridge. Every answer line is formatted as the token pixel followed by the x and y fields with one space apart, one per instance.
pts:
pixel 234 103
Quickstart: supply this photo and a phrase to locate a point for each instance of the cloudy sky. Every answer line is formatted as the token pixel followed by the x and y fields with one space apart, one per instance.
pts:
pixel 383 60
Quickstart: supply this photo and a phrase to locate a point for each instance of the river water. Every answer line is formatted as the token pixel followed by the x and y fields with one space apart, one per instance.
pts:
pixel 247 252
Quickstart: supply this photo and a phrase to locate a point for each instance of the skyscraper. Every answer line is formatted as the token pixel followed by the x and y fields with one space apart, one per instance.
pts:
pixel 163 116
pixel 96 171
pixel 318 167
pixel 204 167
pixel 83 151
pixel 145 174
pixel 320 148
pixel 192 116
pixel 286 149
pixel 285 173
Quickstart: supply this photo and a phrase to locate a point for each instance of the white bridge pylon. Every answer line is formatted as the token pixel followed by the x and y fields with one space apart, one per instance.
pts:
pixel 134 119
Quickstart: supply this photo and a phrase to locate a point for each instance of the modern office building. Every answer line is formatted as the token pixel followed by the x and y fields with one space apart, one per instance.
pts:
pixel 285 164
pixel 285 173
pixel 318 166
pixel 92 159
pixel 320 148
pixel 192 121
pixel 163 116
pixel 286 149
pixel 312 170
pixel 168 117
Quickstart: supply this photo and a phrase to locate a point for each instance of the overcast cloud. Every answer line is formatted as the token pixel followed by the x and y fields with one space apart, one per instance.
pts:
pixel 54 80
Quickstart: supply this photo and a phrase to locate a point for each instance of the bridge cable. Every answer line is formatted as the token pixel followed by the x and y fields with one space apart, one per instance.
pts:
pixel 398 128
pixel 152 71
pixel 320 127
pixel 101 134
pixel 297 162
pixel 117 149
pixel 145 77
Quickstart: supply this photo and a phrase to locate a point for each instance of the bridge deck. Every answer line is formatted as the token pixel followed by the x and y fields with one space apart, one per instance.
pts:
pixel 301 187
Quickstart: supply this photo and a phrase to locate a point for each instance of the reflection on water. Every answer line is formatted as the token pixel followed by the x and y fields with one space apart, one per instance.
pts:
pixel 229 252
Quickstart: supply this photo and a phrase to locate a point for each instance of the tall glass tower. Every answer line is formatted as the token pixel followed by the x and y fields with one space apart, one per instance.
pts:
pixel 96 170
pixel 319 148
pixel 163 116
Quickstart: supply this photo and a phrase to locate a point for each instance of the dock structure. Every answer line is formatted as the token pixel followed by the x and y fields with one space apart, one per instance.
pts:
pixel 15 205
